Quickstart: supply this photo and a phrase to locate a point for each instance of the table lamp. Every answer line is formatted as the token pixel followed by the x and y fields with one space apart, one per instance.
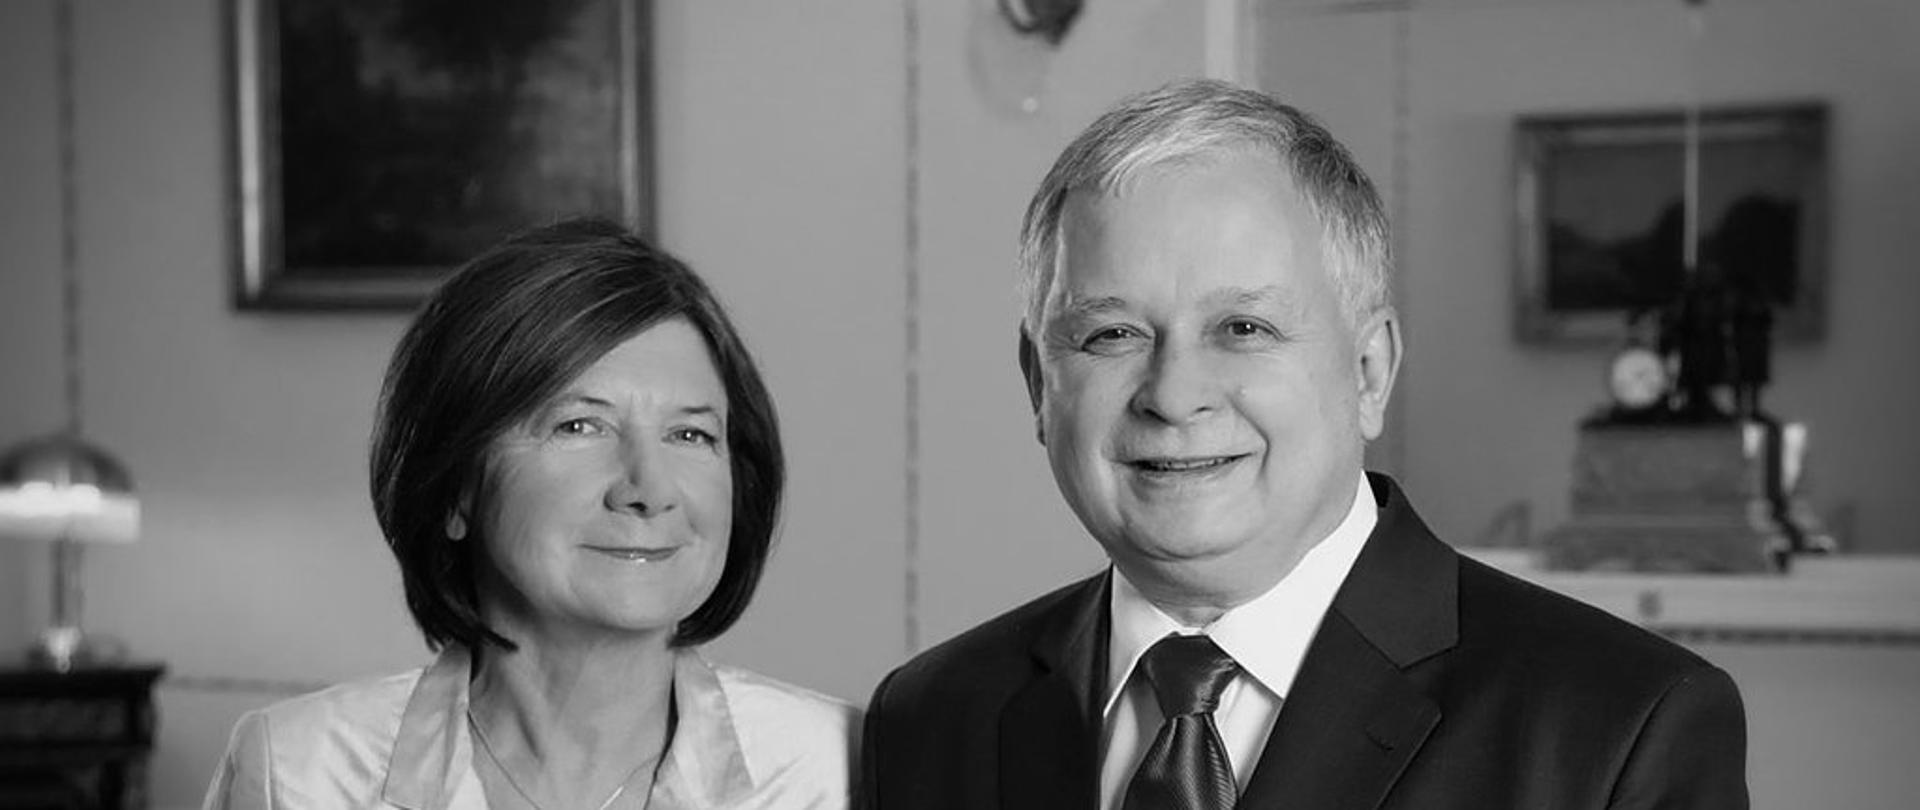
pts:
pixel 63 490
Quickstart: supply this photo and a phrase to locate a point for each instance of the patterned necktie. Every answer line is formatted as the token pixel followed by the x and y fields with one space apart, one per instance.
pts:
pixel 1186 768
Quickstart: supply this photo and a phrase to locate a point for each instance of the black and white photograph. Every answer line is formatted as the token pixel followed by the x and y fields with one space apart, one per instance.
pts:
pixel 914 405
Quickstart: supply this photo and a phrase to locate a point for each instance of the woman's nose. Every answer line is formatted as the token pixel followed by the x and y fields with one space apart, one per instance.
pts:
pixel 645 485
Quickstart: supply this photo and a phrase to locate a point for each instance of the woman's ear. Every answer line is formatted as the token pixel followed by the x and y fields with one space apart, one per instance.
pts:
pixel 457 516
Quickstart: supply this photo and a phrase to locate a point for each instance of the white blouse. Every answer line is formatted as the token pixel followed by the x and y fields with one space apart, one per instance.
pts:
pixel 742 741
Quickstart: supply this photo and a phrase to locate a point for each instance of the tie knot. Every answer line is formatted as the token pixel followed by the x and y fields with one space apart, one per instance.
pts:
pixel 1188 673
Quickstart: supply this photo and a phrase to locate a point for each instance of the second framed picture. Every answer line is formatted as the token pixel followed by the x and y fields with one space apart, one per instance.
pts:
pixel 1601 202
pixel 378 144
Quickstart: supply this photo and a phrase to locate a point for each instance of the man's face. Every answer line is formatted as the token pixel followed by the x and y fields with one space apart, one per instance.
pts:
pixel 1198 386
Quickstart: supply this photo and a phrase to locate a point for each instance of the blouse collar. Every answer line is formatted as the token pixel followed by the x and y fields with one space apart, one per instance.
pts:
pixel 432 761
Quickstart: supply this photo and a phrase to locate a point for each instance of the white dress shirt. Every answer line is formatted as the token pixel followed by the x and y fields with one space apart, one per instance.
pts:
pixel 1268 636
pixel 741 741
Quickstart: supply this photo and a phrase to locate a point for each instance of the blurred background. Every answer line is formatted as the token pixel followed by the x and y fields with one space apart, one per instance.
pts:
pixel 850 175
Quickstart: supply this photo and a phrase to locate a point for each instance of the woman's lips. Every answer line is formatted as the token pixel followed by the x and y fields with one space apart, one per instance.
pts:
pixel 635 553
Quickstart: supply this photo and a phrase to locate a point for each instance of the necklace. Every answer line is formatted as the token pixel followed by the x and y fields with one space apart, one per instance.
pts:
pixel 486 746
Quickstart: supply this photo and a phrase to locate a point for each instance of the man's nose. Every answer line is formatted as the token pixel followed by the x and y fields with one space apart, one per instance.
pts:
pixel 1179 386
pixel 645 484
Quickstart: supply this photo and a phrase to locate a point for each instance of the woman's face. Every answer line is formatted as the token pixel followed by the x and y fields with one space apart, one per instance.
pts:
pixel 610 507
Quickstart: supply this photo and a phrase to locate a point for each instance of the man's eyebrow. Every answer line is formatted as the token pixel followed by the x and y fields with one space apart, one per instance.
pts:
pixel 1084 307
pixel 1269 295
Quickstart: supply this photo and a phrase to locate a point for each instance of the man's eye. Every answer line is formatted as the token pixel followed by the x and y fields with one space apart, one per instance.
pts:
pixel 1108 336
pixel 1243 329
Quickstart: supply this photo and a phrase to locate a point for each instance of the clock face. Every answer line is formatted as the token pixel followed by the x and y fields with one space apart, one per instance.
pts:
pixel 1637 379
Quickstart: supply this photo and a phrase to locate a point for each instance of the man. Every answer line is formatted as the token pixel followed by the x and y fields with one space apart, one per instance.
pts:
pixel 1208 345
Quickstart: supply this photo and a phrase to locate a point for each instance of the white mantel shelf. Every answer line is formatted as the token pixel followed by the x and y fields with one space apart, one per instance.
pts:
pixel 1845 599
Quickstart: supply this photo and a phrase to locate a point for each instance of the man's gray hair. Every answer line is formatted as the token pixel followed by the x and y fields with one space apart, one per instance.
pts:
pixel 1195 119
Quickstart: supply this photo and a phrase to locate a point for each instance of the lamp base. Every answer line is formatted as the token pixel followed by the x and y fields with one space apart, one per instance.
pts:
pixel 67 648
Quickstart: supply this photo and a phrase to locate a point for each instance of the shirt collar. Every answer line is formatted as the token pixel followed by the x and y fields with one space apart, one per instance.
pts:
pixel 433 751
pixel 705 765
pixel 1267 636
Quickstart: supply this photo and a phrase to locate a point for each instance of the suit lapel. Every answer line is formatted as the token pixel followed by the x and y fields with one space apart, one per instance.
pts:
pixel 1354 719
pixel 1049 729
pixel 1347 730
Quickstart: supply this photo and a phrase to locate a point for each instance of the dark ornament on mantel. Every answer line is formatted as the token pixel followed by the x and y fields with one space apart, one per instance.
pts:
pixel 1701 326
pixel 1727 337
pixel 1717 336
pixel 1701 479
pixel 1751 333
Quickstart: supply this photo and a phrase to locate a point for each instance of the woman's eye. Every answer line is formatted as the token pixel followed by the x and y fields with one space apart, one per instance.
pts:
pixel 688 435
pixel 577 427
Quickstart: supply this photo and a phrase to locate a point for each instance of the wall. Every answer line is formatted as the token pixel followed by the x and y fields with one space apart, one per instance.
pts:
pixel 784 175
pixel 1427 98
pixel 29 343
pixel 1469 388
pixel 781 169
pixel 993 530
pixel 259 557
pixel 1828 724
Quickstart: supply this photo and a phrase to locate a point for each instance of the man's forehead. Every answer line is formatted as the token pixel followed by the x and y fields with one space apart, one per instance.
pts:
pixel 1256 207
pixel 1074 300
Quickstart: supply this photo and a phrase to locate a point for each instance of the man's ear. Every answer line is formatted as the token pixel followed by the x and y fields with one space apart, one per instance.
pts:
pixel 1030 370
pixel 1378 345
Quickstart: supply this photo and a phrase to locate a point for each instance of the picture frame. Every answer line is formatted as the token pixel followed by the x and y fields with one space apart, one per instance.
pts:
pixel 377 145
pixel 1600 213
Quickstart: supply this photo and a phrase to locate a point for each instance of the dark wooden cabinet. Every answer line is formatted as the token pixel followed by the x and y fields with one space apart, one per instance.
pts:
pixel 76 739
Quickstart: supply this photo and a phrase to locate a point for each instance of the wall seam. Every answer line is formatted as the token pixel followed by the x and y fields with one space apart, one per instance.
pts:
pixel 910 541
pixel 1395 457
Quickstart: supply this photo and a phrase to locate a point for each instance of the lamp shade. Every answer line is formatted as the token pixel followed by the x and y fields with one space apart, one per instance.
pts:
pixel 60 487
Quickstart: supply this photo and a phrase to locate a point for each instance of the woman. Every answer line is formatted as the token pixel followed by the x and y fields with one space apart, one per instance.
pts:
pixel 578 468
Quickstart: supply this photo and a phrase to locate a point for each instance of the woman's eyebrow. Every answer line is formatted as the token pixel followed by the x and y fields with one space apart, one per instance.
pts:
pixel 578 398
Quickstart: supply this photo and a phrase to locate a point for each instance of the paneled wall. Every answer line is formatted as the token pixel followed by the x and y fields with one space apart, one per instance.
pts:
pixel 787 174
pixel 1428 98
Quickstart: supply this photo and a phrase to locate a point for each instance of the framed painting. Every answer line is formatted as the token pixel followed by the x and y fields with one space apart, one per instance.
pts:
pixel 378 144
pixel 1601 216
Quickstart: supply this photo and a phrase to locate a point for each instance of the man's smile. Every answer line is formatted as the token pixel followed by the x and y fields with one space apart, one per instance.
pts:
pixel 1182 467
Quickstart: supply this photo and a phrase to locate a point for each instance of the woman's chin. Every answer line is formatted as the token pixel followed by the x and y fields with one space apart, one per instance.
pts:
pixel 637 621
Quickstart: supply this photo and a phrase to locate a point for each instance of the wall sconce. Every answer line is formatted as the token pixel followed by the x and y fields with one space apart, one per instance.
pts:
pixel 1011 47
pixel 1047 19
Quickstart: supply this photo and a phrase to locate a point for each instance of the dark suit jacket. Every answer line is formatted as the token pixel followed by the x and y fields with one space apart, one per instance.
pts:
pixel 1434 682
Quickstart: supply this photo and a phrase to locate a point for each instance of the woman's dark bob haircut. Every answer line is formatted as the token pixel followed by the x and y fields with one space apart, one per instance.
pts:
pixel 506 333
